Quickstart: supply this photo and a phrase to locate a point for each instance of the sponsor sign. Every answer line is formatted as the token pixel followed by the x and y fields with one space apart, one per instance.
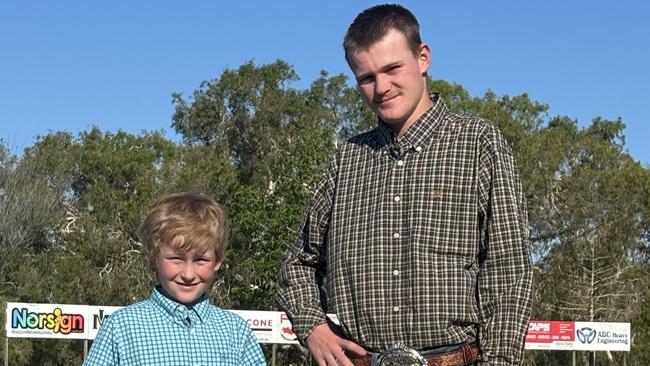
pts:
pixel 24 320
pixel 556 335
pixel 96 317
pixel 592 336
pixel 27 320
pixel 268 326
pixel 578 336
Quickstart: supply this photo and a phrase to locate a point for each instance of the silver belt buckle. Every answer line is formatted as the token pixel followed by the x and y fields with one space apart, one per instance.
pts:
pixel 400 355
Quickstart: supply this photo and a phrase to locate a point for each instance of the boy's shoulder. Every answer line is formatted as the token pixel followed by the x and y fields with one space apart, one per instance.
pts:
pixel 138 310
pixel 225 316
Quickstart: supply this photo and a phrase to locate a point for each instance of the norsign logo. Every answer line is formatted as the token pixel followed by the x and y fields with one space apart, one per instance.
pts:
pixel 56 321
pixel 586 335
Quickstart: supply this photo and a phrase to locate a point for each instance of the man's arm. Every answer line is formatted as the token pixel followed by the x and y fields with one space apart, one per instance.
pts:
pixel 300 277
pixel 505 277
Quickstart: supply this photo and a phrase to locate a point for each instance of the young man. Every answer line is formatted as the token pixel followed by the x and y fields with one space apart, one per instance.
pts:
pixel 419 227
pixel 185 236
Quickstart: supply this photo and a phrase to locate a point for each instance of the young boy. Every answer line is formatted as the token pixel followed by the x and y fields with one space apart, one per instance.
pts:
pixel 185 237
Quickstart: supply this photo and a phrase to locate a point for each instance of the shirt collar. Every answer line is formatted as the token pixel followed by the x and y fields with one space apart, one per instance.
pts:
pixel 422 131
pixel 198 309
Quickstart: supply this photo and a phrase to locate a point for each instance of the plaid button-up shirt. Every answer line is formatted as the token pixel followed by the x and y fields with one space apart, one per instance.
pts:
pixel 421 240
pixel 159 331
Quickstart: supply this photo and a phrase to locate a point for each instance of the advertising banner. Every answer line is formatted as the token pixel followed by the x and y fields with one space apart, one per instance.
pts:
pixel 578 336
pixel 96 317
pixel 557 335
pixel 592 336
pixel 269 326
pixel 25 320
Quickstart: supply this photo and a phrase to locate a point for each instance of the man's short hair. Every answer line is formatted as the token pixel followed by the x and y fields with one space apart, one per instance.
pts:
pixel 185 221
pixel 371 25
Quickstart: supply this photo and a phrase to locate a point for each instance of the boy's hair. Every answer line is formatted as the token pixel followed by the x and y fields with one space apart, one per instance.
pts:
pixel 371 25
pixel 185 221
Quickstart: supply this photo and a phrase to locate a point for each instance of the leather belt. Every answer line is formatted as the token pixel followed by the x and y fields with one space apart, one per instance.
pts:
pixel 466 354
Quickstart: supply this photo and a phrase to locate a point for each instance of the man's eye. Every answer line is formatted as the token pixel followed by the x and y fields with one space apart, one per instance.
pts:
pixel 365 80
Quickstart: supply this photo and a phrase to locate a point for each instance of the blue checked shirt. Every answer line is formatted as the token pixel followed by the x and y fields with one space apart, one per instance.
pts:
pixel 159 331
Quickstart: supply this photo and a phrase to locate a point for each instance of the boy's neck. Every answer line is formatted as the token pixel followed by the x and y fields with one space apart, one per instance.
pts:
pixel 166 294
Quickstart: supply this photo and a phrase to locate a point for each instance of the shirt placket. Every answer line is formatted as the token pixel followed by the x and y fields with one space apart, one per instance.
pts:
pixel 398 236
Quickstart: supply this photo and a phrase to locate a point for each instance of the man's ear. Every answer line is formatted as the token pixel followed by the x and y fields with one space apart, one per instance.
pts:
pixel 424 58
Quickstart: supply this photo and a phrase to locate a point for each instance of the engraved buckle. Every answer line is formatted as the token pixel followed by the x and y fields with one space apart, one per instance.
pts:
pixel 401 355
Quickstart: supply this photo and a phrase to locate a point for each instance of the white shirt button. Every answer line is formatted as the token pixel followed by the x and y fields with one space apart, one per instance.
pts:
pixel 395 273
pixel 396 235
pixel 397 198
pixel 396 308
pixel 400 162
pixel 418 148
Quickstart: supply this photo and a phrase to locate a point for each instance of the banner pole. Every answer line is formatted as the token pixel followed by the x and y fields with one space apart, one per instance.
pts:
pixel 85 349
pixel 6 351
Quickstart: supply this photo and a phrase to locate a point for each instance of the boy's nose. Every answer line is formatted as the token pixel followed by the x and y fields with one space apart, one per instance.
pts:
pixel 187 273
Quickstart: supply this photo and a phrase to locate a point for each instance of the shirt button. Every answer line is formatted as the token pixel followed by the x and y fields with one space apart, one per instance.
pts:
pixel 396 308
pixel 192 331
pixel 397 198
pixel 396 235
pixel 400 162
pixel 395 272
pixel 418 148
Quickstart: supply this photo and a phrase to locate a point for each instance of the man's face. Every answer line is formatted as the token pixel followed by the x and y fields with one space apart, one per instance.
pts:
pixel 186 275
pixel 390 78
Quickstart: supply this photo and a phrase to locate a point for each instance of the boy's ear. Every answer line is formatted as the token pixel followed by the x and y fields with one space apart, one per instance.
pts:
pixel 217 266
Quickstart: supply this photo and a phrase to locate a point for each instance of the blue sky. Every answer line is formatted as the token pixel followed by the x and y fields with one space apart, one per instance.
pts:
pixel 69 65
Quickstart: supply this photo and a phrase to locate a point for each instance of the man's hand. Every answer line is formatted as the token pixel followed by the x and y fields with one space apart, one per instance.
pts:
pixel 328 349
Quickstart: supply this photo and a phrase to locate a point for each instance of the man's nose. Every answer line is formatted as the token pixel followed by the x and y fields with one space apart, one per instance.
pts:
pixel 382 84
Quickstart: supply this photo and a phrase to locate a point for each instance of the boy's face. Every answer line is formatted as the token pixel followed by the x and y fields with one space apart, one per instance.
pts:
pixel 186 275
pixel 390 78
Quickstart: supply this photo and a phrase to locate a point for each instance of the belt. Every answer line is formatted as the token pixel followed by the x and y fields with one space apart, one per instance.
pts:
pixel 462 355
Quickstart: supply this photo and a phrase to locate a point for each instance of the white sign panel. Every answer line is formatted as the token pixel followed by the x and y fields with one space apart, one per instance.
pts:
pixel 25 320
pixel 592 336
pixel 96 317
pixel 269 326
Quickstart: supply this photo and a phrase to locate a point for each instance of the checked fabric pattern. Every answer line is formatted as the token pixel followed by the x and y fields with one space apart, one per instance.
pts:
pixel 159 331
pixel 421 240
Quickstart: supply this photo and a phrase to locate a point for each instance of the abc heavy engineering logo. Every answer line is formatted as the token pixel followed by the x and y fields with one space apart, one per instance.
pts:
pixel 587 335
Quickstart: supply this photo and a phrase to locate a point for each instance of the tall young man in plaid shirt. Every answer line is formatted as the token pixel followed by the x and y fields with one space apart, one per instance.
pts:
pixel 418 228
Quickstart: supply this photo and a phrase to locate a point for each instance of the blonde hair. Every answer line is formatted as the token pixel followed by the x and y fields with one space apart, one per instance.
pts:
pixel 185 221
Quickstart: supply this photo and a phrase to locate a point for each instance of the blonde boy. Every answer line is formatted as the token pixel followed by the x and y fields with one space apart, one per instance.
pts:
pixel 185 237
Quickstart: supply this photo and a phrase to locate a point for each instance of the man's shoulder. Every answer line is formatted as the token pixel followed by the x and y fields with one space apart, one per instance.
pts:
pixel 370 139
pixel 468 122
